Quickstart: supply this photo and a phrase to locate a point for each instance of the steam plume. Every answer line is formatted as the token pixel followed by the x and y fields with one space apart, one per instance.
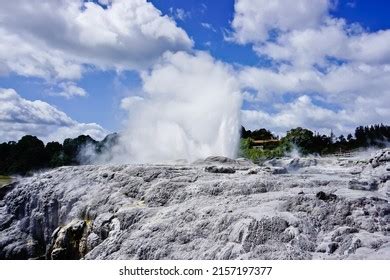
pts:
pixel 190 109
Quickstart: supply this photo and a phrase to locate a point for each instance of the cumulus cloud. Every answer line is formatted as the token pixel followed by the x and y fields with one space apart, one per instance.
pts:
pixel 312 54
pixel 129 102
pixel 304 34
pixel 305 113
pixel 70 89
pixel 330 43
pixel 349 95
pixel 58 39
pixel 300 112
pixel 19 116
pixel 255 20
pixel 190 109
pixel 341 84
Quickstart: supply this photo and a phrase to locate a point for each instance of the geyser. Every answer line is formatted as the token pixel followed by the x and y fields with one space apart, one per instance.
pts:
pixel 189 109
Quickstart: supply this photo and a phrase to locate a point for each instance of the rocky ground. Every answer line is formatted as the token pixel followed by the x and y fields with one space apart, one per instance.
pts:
pixel 290 208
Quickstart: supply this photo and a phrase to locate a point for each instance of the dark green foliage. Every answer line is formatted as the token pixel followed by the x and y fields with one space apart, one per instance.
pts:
pixel 72 148
pixel 54 152
pixel 302 138
pixel 109 141
pixel 372 135
pixel 244 133
pixel 308 142
pixel 258 134
pixel 30 153
pixel 247 151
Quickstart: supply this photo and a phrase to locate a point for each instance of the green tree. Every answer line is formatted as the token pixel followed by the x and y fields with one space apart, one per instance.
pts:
pixel 300 137
pixel 72 148
pixel 54 152
pixel 29 154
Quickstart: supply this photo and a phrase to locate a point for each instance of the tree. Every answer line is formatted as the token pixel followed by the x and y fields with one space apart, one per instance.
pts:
pixel 258 134
pixel 360 136
pixel 54 152
pixel 108 142
pixel 72 148
pixel 342 139
pixel 29 154
pixel 6 156
pixel 262 134
pixel 245 133
pixel 299 135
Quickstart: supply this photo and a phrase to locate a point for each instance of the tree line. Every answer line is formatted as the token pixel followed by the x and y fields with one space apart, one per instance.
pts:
pixel 309 142
pixel 30 153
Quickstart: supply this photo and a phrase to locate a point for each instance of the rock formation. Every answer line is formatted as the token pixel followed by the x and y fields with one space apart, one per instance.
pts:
pixel 219 208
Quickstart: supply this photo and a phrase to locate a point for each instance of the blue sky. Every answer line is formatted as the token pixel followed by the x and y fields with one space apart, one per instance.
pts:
pixel 209 24
pixel 105 88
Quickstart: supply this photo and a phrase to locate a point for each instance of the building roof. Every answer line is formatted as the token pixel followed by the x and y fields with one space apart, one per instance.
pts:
pixel 259 142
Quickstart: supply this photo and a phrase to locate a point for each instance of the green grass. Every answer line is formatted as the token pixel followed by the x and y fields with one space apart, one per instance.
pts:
pixel 4 180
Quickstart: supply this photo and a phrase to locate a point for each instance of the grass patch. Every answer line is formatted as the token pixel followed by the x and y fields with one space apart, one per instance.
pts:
pixel 4 180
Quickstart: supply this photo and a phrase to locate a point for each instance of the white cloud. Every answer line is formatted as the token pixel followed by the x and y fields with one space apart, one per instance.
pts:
pixel 203 8
pixel 208 26
pixel 305 48
pixel 55 39
pixel 255 19
pixel 341 84
pixel 179 13
pixel 70 89
pixel 303 112
pixel 128 102
pixel 312 54
pixel 268 83
pixel 19 116
pixel 361 92
pixel 305 43
pixel 300 112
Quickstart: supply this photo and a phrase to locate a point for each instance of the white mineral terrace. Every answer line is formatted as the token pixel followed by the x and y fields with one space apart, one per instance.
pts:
pixel 302 208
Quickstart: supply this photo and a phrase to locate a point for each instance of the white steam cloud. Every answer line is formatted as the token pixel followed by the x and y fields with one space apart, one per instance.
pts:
pixel 190 109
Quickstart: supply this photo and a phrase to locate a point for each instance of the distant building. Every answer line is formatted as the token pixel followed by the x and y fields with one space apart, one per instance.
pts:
pixel 264 144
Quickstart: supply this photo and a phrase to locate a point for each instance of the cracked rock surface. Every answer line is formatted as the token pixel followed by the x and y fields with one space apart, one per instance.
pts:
pixel 218 208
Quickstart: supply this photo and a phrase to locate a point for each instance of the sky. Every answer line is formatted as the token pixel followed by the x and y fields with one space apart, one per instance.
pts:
pixel 73 67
